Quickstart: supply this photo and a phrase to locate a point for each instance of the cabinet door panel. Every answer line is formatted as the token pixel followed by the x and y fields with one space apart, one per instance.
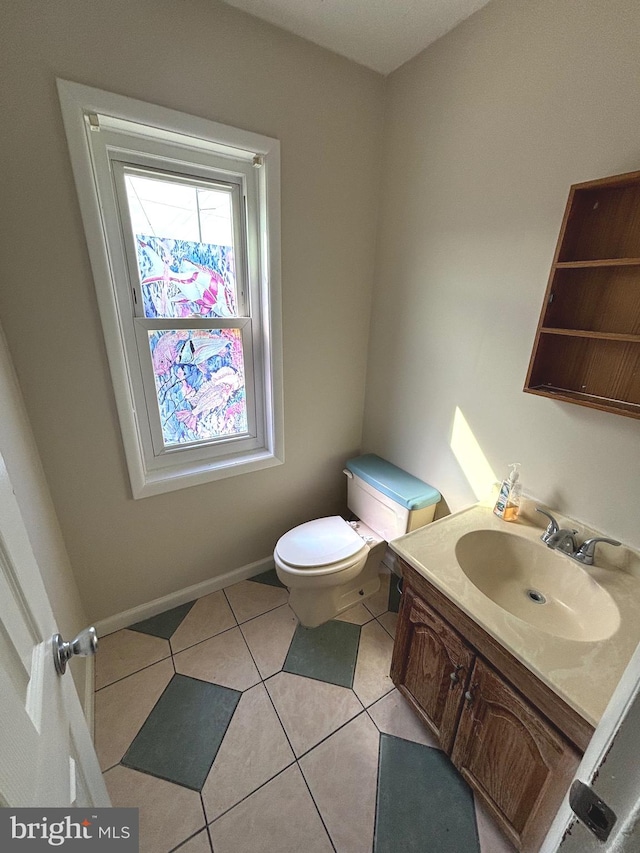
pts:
pixel 519 764
pixel 431 665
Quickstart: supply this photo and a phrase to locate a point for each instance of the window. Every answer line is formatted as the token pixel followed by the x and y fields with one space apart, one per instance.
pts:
pixel 182 224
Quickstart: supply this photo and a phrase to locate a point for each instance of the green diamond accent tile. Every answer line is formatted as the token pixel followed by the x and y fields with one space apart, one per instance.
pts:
pixel 182 735
pixel 269 577
pixel 423 802
pixel 164 624
pixel 327 653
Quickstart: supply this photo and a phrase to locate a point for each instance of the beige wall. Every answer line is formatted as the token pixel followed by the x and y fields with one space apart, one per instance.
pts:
pixel 207 59
pixel 484 133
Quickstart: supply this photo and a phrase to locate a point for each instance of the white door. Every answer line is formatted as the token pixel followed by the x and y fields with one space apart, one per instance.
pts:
pixel 46 754
pixel 611 767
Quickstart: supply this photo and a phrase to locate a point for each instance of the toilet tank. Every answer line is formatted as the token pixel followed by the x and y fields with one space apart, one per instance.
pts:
pixel 386 498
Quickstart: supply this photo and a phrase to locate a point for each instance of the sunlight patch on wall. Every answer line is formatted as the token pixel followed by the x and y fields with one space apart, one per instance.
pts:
pixel 470 457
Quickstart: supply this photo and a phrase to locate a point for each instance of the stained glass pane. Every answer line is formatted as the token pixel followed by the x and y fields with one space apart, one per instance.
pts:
pixel 184 247
pixel 199 377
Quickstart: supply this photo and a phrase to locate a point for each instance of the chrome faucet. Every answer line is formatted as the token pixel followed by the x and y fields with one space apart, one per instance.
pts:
pixel 552 528
pixel 556 537
pixel 563 539
pixel 586 551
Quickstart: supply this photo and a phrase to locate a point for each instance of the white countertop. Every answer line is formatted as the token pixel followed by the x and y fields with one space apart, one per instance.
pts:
pixel 583 674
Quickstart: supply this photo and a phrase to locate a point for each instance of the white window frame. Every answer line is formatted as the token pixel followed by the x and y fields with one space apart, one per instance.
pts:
pixel 105 131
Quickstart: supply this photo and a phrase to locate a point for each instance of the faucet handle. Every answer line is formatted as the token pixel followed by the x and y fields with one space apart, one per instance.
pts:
pixel 586 551
pixel 552 527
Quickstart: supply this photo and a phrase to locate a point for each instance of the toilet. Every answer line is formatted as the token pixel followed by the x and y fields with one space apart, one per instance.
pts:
pixel 330 564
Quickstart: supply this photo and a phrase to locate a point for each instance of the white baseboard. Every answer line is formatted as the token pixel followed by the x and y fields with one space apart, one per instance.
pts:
pixel 159 605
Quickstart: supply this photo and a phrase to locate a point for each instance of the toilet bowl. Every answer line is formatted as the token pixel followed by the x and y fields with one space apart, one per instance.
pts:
pixel 330 564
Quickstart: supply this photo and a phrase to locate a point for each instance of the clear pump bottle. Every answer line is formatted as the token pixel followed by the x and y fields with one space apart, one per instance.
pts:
pixel 508 503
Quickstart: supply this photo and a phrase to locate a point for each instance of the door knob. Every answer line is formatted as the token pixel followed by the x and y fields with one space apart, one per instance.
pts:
pixel 84 645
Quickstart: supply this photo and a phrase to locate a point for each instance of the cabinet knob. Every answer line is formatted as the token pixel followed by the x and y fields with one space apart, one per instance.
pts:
pixel 454 677
pixel 469 695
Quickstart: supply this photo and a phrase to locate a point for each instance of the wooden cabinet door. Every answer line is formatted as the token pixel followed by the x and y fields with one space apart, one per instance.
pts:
pixel 516 761
pixel 431 666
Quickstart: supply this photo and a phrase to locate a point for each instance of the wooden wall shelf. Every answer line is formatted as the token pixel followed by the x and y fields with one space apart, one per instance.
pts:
pixel 609 262
pixel 583 333
pixel 602 403
pixel 587 345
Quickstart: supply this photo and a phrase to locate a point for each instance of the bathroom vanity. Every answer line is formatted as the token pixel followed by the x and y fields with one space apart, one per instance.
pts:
pixel 513 699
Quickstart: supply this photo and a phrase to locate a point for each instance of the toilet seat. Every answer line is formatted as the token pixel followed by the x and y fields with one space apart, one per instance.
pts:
pixel 320 547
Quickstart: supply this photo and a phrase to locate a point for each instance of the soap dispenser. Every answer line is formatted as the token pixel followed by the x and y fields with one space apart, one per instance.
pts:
pixel 508 503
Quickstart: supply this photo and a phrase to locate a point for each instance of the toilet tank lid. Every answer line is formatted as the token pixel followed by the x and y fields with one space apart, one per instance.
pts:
pixel 401 487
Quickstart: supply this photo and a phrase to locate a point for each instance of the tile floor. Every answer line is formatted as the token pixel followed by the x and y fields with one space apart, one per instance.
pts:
pixel 235 730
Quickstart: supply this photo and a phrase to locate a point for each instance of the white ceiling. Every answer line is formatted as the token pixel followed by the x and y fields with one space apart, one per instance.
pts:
pixel 381 34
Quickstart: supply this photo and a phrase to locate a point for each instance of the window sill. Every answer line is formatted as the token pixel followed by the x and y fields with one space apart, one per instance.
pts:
pixel 145 484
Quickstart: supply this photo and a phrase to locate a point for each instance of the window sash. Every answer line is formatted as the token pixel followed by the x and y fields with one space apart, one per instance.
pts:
pixel 139 166
pixel 158 453
pixel 153 438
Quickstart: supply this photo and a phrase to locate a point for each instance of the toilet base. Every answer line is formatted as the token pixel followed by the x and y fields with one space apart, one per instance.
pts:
pixel 313 607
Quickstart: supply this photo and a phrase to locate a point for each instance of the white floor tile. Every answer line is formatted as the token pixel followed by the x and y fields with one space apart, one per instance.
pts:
pixel 224 659
pixel 389 621
pixel 357 615
pixel 342 774
pixel 126 652
pixel 169 813
pixel 310 710
pixel 254 749
pixel 278 818
pixel 393 716
pixel 122 708
pixel 249 598
pixel 269 637
pixel 210 615
pixel 371 679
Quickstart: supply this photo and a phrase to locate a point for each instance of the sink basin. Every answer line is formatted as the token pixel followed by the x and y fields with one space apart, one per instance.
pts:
pixel 540 586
